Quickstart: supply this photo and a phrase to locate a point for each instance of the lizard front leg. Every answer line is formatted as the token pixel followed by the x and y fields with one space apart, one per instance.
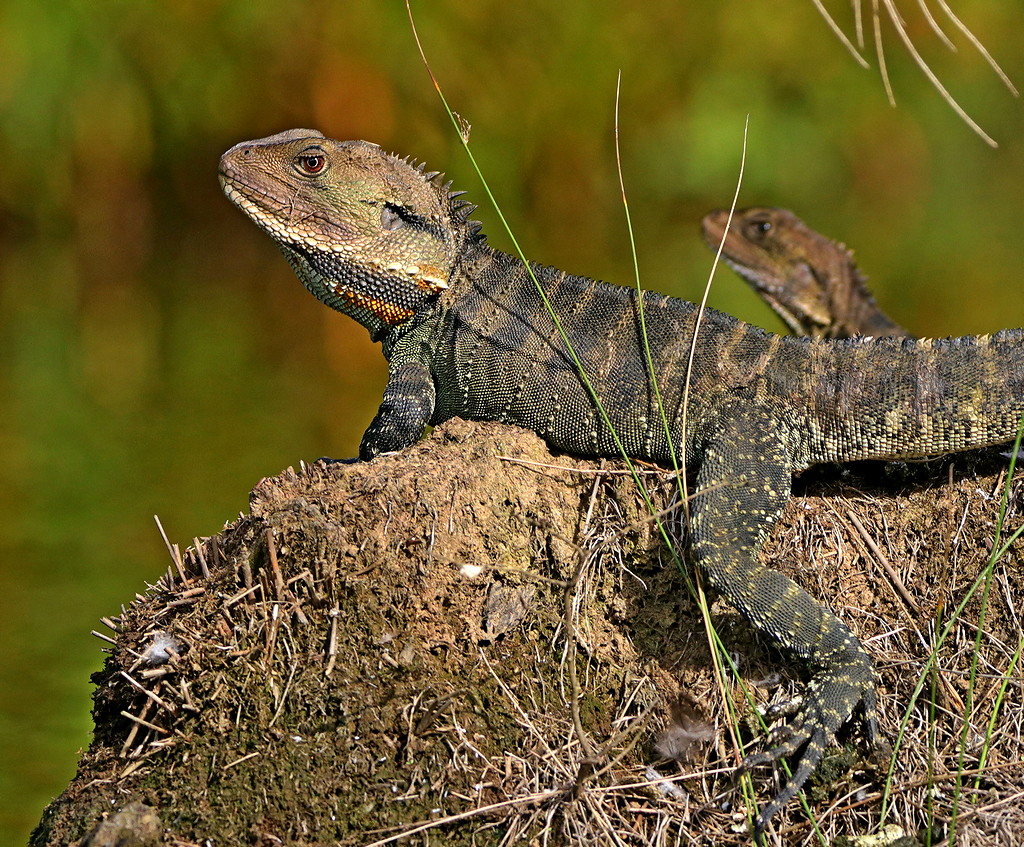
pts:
pixel 404 412
pixel 743 483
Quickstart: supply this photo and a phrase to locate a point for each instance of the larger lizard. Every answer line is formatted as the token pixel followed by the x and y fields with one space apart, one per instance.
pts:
pixel 473 332
pixel 811 282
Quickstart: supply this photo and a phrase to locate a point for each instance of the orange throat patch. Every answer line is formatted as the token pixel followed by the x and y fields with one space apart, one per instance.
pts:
pixel 390 313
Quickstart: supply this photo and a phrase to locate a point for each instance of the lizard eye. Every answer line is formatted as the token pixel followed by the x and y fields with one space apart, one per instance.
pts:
pixel 759 227
pixel 311 164
pixel 390 218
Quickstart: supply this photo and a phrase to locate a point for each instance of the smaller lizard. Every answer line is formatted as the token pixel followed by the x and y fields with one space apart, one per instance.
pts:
pixel 811 281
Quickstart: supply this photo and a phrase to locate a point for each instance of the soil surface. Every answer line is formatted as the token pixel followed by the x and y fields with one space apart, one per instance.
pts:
pixel 478 642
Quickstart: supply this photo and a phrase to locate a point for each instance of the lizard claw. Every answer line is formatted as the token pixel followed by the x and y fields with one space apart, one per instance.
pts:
pixel 814 743
pixel 830 699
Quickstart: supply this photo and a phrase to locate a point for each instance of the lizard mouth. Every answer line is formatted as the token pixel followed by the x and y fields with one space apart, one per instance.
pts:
pixel 282 221
pixel 243 196
pixel 261 213
pixel 249 198
pixel 771 295
pixel 787 316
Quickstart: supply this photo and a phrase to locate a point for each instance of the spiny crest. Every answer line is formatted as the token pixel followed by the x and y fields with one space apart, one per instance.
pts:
pixel 460 209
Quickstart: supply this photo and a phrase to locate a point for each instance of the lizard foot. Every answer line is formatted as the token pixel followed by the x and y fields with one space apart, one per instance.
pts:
pixel 830 698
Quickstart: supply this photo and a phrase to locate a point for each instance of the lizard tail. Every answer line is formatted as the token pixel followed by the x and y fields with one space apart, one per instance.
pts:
pixel 904 398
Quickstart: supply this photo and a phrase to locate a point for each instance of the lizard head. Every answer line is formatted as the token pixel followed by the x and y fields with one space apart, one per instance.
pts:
pixel 771 249
pixel 370 234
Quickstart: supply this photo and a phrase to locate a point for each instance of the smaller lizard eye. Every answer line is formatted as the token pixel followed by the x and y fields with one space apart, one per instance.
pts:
pixel 312 164
pixel 390 218
pixel 759 227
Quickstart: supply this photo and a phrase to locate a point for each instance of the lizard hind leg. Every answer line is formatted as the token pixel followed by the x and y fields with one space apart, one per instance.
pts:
pixel 742 486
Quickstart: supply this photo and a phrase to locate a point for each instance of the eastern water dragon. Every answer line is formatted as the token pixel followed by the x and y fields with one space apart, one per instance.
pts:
pixel 467 333
pixel 810 281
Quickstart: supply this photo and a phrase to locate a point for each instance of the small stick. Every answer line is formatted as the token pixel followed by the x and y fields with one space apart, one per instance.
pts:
pixel 172 550
pixel 240 760
pixel 332 641
pixel 274 566
pixel 146 724
pixel 151 695
pixel 894 578
pixel 202 559
pixel 103 637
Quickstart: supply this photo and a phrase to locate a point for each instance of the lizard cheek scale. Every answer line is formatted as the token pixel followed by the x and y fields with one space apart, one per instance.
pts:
pixel 467 333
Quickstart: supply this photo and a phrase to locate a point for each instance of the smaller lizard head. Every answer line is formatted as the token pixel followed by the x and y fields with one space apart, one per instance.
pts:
pixel 772 250
pixel 370 234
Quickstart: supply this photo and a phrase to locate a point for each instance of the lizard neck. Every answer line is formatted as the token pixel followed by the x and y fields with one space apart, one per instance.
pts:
pixel 862 313
pixel 382 299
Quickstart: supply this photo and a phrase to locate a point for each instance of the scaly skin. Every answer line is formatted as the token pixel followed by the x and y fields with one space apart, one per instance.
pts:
pixel 810 281
pixel 467 334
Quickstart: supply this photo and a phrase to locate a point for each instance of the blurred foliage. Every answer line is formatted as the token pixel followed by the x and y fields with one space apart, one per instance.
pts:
pixel 156 355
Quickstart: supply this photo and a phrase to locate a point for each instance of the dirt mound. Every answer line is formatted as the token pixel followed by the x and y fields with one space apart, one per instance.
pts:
pixel 476 641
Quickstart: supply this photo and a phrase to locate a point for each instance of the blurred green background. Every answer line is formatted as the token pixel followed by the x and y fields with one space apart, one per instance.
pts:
pixel 158 357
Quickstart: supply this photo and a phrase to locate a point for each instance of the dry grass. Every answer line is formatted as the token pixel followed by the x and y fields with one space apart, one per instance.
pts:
pixel 886 15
